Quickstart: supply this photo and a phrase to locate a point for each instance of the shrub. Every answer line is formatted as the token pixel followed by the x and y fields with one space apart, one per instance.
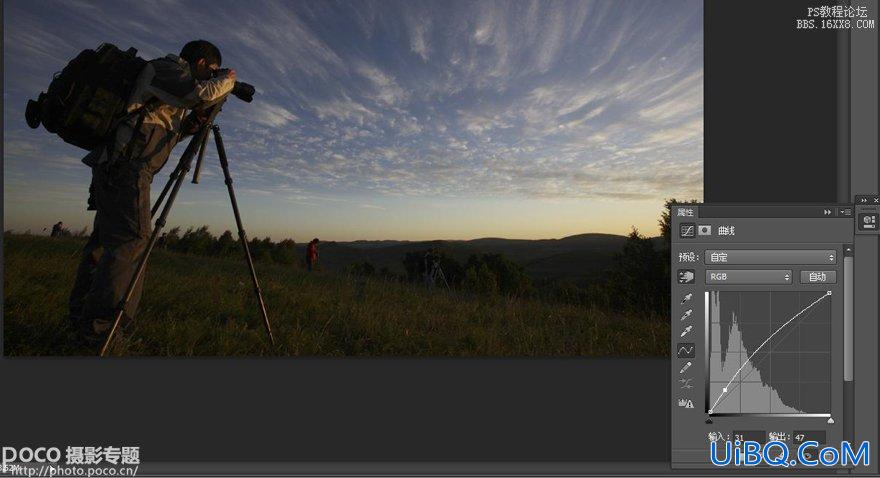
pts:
pixel 510 278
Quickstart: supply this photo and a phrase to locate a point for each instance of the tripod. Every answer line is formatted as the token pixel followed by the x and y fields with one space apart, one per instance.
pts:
pixel 433 271
pixel 438 273
pixel 199 140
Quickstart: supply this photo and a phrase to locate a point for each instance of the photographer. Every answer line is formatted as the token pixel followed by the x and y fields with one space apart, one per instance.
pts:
pixel 123 170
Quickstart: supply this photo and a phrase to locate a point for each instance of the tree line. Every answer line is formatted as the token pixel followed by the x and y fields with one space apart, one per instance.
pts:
pixel 638 279
pixel 201 242
pixel 490 274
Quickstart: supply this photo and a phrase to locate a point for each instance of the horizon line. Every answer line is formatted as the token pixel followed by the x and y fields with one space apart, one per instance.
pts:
pixel 45 232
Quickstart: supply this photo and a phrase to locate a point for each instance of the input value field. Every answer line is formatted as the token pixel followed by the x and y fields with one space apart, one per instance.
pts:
pixel 770 256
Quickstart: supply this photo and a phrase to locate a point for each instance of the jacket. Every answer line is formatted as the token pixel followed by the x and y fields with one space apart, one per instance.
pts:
pixel 168 81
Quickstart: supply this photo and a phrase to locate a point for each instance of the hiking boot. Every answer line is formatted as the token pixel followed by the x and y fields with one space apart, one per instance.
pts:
pixel 95 332
pixel 90 336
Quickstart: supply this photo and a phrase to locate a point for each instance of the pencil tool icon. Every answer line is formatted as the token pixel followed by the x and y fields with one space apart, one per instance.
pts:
pixel 685 367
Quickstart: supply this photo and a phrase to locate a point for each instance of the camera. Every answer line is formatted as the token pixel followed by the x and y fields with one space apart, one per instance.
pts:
pixel 241 90
pixel 244 91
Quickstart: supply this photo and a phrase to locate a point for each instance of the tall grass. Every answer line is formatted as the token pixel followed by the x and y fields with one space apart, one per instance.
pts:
pixel 201 306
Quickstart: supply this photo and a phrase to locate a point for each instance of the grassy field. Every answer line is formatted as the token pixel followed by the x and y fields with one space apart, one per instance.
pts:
pixel 199 306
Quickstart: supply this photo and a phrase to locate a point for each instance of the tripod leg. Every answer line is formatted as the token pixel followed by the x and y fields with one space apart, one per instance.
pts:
pixel 443 276
pixel 161 198
pixel 198 171
pixel 174 174
pixel 184 166
pixel 242 236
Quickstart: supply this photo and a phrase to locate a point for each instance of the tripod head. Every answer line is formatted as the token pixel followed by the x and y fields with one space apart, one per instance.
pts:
pixel 241 90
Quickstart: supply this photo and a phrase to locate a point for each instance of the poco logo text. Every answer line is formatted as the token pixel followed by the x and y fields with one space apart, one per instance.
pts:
pixel 30 455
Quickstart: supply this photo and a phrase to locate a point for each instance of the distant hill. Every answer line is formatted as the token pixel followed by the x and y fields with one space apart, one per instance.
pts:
pixel 580 258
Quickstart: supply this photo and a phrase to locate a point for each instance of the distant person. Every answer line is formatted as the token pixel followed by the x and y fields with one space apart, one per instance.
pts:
pixel 432 266
pixel 312 254
pixel 123 169
pixel 57 229
pixel 428 261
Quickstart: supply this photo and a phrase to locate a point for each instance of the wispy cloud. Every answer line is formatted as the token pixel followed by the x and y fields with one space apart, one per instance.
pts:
pixel 418 27
pixel 267 114
pixel 385 88
pixel 527 100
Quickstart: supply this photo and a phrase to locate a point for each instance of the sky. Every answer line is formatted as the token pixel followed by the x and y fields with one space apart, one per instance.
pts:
pixel 408 120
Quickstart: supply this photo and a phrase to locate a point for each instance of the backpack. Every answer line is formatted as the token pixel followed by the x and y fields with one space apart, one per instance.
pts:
pixel 87 98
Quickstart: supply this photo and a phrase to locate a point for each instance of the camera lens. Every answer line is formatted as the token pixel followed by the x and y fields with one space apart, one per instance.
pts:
pixel 244 91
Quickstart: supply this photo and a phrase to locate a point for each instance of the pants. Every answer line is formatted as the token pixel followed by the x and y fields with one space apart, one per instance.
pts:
pixel 121 194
